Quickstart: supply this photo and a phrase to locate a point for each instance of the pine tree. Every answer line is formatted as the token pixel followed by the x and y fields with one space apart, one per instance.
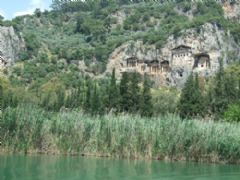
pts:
pixel 1 111
pixel 231 89
pixel 134 93
pixel 79 97
pixel 68 101
pixel 146 104
pixel 45 102
pixel 191 101
pixel 56 5
pixel 1 102
pixel 60 99
pixel 184 105
pixel 113 94
pixel 219 103
pixel 80 21
pixel 198 100
pixel 124 92
pixel 95 102
pixel 87 102
pixel 130 92
pixel 239 91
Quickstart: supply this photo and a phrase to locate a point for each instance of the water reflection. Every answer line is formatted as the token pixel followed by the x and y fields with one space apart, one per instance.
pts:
pixel 71 168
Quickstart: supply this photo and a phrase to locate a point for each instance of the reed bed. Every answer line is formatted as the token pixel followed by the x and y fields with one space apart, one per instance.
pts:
pixel 28 129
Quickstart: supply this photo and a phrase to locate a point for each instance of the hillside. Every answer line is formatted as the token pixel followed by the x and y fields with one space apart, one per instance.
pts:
pixel 78 55
pixel 80 38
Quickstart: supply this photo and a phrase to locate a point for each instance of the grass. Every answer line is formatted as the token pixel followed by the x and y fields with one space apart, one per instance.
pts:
pixel 27 129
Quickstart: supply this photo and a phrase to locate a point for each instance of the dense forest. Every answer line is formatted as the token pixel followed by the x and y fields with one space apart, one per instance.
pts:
pixel 48 82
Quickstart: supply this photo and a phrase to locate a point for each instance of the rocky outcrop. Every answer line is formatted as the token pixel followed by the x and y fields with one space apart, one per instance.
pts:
pixel 209 39
pixel 11 45
pixel 232 10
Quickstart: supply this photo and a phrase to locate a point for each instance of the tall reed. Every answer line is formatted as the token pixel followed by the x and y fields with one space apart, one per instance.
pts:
pixel 28 128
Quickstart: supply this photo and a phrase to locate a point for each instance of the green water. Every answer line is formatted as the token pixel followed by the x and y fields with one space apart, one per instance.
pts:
pixel 73 168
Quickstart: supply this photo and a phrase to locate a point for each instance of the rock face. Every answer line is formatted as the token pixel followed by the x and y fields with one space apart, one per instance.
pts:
pixel 195 51
pixel 232 10
pixel 10 46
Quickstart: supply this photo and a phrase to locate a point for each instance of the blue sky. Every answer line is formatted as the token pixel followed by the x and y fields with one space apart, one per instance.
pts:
pixel 12 8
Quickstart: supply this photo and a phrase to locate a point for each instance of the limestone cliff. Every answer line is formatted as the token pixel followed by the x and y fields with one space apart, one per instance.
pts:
pixel 232 10
pixel 209 41
pixel 11 45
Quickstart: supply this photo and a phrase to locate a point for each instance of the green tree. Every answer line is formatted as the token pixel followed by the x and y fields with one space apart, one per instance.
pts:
pixel 38 12
pixel 79 96
pixel 219 101
pixel 191 100
pixel 1 102
pixel 1 111
pixel 32 44
pixel 231 89
pixel 73 99
pixel 56 5
pixel 124 92
pixel 199 99
pixel 1 20
pixel 95 101
pixel 146 104
pixel 60 99
pixel 130 92
pixel 113 94
pixel 87 102
pixel 165 100
pixel 238 90
pixel 80 21
pixel 134 99
pixel 184 106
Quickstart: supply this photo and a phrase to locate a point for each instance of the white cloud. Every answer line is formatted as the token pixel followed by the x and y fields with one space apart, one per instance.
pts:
pixel 37 3
pixel 34 4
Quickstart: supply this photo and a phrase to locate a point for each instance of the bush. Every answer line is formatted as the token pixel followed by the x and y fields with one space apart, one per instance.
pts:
pixel 32 43
pixel 165 101
pixel 186 6
pixel 232 113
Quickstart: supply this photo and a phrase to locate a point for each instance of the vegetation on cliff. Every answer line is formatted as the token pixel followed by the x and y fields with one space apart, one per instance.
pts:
pixel 57 40
pixel 216 97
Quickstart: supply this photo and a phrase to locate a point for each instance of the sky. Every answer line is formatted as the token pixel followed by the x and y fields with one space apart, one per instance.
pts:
pixel 12 8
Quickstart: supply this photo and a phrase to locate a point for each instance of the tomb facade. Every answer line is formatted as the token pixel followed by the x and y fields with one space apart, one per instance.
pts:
pixel 201 61
pixel 182 60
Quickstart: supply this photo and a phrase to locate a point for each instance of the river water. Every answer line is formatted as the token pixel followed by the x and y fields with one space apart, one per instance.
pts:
pixel 85 168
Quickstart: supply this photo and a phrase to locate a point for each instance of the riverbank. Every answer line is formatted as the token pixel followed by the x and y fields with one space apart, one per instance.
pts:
pixel 33 130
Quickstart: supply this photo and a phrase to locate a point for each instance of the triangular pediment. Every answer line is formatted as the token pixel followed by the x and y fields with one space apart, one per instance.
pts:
pixel 181 47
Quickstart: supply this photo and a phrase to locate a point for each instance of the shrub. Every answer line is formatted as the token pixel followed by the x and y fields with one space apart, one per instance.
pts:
pixel 165 101
pixel 32 43
pixel 232 113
